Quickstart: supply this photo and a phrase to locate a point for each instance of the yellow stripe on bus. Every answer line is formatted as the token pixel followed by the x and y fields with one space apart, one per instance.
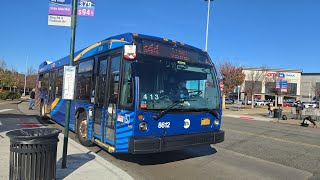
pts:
pixel 54 103
pixel 93 46
pixel 86 50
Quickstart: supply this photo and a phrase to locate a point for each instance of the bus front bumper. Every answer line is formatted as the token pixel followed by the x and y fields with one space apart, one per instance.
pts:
pixel 141 145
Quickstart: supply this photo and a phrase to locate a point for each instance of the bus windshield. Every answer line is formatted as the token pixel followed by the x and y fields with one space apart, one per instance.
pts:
pixel 163 82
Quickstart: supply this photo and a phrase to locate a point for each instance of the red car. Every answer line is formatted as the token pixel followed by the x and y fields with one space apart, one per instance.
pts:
pixel 287 104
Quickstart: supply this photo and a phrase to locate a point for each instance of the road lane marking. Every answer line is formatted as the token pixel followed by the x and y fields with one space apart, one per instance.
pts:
pixel 0 123
pixel 246 118
pixel 5 110
pixel 276 139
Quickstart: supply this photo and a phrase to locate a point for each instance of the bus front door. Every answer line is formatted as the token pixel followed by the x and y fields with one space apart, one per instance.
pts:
pixel 112 97
pixel 100 95
pixel 106 98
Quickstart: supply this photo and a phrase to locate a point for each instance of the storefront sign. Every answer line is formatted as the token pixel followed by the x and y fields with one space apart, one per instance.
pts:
pixel 272 74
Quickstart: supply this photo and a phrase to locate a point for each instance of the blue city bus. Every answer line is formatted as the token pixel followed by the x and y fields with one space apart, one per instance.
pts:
pixel 136 94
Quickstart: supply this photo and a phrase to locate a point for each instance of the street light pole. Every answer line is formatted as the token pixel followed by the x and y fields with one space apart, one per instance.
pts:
pixel 25 78
pixel 207 30
pixel 238 93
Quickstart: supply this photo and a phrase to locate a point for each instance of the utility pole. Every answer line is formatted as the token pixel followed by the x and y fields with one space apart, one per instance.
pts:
pixel 207 30
pixel 280 96
pixel 25 78
pixel 238 94
pixel 68 102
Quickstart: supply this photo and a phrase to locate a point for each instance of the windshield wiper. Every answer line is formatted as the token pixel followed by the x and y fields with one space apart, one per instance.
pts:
pixel 165 111
pixel 211 111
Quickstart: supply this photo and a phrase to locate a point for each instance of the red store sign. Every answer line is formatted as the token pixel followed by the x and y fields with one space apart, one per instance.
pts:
pixel 274 74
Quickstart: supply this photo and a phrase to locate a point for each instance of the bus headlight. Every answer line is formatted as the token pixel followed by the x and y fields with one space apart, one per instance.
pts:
pixel 90 114
pixel 143 126
pixel 216 122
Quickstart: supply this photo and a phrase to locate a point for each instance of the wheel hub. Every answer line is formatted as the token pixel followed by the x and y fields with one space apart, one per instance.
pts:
pixel 83 128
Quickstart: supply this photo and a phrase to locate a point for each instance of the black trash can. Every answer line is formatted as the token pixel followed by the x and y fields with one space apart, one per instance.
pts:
pixel 33 153
pixel 277 113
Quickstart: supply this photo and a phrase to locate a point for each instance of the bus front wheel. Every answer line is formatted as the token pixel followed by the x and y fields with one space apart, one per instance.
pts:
pixel 82 130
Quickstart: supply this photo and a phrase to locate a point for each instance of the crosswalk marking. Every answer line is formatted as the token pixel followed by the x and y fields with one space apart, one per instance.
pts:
pixel 0 123
pixel 5 110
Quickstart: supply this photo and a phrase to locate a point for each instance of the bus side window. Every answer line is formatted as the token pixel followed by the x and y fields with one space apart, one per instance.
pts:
pixel 59 83
pixel 44 82
pixel 114 80
pixel 84 80
pixel 126 99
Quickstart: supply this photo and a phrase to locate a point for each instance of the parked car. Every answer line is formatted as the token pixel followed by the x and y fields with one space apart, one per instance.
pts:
pixel 259 102
pixel 229 101
pixel 288 104
pixel 240 101
pixel 248 102
pixel 310 104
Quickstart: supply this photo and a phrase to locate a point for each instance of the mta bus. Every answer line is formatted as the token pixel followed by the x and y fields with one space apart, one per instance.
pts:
pixel 127 97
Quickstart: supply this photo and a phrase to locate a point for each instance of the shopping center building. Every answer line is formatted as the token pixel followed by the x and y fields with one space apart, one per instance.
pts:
pixel 310 86
pixel 261 82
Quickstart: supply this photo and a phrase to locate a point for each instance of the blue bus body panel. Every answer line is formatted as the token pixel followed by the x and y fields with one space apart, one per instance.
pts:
pixel 59 111
pixel 176 124
pixel 124 129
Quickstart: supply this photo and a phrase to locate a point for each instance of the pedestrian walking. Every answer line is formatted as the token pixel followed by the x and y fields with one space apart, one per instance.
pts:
pixel 32 95
pixel 299 108
pixel 269 110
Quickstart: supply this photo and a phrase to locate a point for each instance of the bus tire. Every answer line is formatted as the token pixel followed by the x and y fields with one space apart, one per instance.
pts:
pixel 82 130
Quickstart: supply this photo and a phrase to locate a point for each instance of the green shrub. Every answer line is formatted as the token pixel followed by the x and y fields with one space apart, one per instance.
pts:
pixel 14 95
pixel 10 95
pixel 4 95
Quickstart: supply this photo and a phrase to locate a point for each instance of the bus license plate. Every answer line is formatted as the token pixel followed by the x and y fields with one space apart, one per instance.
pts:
pixel 205 121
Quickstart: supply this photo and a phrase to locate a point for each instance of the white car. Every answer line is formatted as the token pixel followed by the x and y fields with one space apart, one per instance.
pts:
pixel 309 104
pixel 248 102
pixel 259 103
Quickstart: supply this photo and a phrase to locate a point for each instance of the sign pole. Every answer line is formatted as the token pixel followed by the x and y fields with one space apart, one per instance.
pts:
pixel 280 95
pixel 68 102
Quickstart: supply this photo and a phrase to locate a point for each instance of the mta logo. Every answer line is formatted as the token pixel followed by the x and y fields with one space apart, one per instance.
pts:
pixel 280 75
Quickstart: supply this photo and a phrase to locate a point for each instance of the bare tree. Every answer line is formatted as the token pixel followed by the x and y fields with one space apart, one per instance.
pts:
pixel 253 83
pixel 233 76
pixel 3 68
pixel 31 77
pixel 316 90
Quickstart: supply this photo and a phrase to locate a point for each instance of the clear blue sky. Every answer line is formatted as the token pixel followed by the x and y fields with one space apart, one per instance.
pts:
pixel 272 33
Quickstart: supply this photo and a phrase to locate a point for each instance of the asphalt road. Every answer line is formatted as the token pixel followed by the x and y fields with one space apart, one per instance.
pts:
pixel 251 150
pixel 12 118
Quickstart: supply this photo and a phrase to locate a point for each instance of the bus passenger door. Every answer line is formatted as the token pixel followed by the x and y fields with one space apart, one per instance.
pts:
pixel 100 92
pixel 112 96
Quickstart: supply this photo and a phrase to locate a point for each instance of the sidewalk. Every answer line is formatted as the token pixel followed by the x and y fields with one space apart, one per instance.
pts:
pixel 81 162
pixel 260 114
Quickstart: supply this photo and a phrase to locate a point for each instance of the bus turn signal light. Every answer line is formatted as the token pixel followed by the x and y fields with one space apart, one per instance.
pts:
pixel 140 117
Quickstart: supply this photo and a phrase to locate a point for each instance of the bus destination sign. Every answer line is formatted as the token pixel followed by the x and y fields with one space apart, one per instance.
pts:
pixel 173 51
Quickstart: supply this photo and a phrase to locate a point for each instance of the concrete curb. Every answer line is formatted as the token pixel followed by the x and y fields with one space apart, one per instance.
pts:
pixel 119 172
pixel 102 162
